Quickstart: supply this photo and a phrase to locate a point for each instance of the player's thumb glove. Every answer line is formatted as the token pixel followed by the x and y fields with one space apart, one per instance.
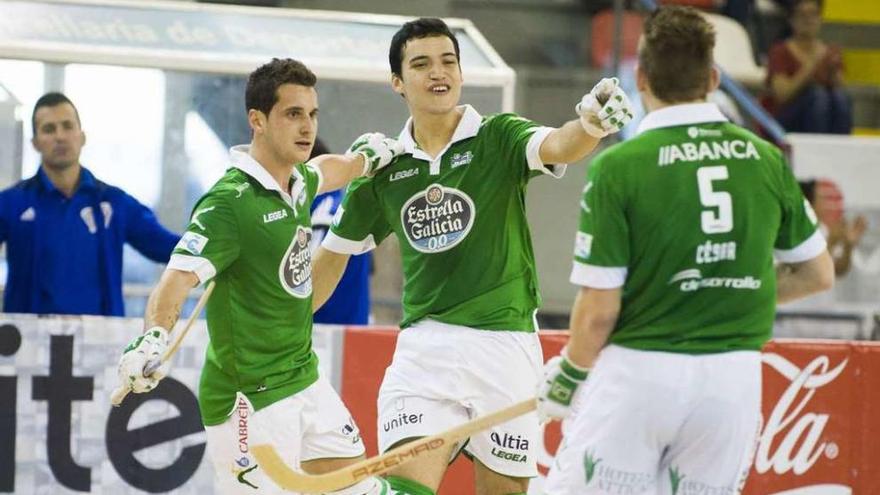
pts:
pixel 141 367
pixel 556 391
pixel 378 151
pixel 605 109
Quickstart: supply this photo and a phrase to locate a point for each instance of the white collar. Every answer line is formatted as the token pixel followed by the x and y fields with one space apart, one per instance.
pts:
pixel 685 114
pixel 468 127
pixel 242 160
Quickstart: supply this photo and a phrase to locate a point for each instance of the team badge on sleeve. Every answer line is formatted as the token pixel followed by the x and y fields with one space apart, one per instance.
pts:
pixel 192 242
pixel 437 219
pixel 295 271
pixel 583 244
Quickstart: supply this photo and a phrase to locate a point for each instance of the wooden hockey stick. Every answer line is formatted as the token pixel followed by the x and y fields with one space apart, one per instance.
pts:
pixel 295 481
pixel 122 391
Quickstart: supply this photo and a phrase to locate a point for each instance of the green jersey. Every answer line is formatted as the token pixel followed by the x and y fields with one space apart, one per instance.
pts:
pixel 253 239
pixel 460 219
pixel 686 218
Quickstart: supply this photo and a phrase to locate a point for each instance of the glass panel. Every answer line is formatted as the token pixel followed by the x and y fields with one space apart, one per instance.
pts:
pixel 122 110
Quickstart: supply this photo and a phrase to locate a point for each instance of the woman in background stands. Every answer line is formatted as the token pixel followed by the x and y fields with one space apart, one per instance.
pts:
pixel 805 77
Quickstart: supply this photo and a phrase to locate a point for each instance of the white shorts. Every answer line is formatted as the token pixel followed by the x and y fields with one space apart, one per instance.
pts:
pixel 312 424
pixel 661 423
pixel 445 375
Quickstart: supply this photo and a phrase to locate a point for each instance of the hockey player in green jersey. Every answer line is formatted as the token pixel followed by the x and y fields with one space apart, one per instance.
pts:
pixel 455 200
pixel 250 234
pixel 674 257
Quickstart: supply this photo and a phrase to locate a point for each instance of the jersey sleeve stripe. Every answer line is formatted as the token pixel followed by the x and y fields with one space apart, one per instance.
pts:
pixel 805 251
pixel 533 155
pixel 202 267
pixel 597 277
pixel 340 245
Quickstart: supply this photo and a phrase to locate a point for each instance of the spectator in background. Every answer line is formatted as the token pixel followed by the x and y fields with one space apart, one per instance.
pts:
pixel 805 77
pixel 843 235
pixel 65 229
pixel 350 302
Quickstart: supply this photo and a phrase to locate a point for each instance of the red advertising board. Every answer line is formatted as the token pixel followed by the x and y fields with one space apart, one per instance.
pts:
pixel 821 414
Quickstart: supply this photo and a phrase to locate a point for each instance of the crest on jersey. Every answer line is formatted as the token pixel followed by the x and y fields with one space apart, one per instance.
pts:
pixel 437 219
pixel 295 271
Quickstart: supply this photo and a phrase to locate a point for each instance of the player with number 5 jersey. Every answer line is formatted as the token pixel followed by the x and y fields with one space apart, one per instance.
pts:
pixel 675 257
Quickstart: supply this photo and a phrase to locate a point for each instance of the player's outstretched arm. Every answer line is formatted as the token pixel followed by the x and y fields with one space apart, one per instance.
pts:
pixel 167 298
pixel 602 111
pixel 799 280
pixel 593 317
pixel 327 269
pixel 367 155
pixel 163 310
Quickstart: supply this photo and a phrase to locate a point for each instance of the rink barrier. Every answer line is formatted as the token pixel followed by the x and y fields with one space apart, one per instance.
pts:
pixel 59 434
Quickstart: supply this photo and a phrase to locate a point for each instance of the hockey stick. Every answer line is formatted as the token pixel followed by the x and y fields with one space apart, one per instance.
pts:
pixel 120 393
pixel 295 481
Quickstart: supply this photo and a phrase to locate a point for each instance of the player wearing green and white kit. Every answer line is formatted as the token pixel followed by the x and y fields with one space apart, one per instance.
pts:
pixel 675 259
pixel 456 202
pixel 250 234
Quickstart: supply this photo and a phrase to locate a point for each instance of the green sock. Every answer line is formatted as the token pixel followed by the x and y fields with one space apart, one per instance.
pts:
pixel 404 486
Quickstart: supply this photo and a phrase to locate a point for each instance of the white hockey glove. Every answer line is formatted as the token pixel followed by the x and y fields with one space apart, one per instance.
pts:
pixel 555 393
pixel 378 151
pixel 605 109
pixel 141 355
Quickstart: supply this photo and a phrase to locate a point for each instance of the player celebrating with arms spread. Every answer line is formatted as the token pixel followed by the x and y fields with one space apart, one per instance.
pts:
pixel 675 259
pixel 250 233
pixel 456 202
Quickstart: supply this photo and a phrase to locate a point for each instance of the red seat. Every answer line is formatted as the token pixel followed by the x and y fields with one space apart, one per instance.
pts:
pixel 700 4
pixel 602 37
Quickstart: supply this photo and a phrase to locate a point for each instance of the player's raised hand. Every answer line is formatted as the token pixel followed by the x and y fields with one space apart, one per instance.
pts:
pixel 140 357
pixel 378 151
pixel 605 109
pixel 556 391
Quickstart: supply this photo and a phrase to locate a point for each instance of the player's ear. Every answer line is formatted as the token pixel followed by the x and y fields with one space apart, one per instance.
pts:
pixel 257 120
pixel 714 79
pixel 397 85
pixel 641 79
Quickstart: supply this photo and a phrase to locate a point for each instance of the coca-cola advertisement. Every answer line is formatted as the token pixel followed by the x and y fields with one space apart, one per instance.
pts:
pixel 818 420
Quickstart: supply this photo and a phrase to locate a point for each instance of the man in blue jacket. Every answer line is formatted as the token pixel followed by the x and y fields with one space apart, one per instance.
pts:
pixel 64 229
pixel 350 302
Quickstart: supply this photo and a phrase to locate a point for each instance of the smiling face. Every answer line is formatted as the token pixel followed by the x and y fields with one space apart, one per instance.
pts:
pixel 289 131
pixel 430 75
pixel 58 137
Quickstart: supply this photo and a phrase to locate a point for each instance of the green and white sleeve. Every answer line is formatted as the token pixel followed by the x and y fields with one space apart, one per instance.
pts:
pixel 211 241
pixel 359 225
pixel 799 238
pixel 601 252
pixel 525 137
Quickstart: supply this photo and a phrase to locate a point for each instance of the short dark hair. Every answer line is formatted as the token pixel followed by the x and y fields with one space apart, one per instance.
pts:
pixel 261 92
pixel 423 27
pixel 794 4
pixel 675 53
pixel 52 99
pixel 808 188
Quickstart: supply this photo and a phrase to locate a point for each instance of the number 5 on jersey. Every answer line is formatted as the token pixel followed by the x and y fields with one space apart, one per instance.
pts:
pixel 712 221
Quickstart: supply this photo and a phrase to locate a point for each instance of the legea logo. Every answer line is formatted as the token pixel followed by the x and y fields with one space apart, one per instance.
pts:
pixel 802 444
